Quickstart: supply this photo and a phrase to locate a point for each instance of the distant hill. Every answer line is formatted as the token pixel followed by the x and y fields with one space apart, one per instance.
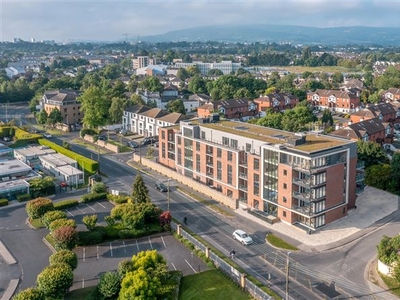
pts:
pixel 283 33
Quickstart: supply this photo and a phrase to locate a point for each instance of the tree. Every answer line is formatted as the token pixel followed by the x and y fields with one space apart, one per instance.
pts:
pixel 42 117
pixel 64 256
pixel 371 153
pixel 42 186
pixel 109 284
pixel 395 164
pixel 295 119
pixel 111 71
pixel 54 117
pixel 99 187
pixel 124 267
pixel 64 238
pixel 182 74
pixel 165 220
pixel 140 285
pixel 215 72
pixel 90 221
pixel 29 294
pixel 327 118
pixel 140 192
pixel 176 106
pixel 197 85
pixel 137 100
pixel 271 119
pixel 151 261
pixel 152 84
pixel 55 280
pixel 51 216
pixel 38 207
pixel 242 93
pixel 95 106
pixel 193 70
pixel 54 225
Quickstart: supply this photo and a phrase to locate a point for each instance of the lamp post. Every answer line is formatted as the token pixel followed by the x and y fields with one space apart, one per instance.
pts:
pixel 287 274
pixel 168 199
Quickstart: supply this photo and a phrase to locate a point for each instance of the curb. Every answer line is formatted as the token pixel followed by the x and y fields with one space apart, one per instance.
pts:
pixel 8 257
pixel 49 245
pixel 10 290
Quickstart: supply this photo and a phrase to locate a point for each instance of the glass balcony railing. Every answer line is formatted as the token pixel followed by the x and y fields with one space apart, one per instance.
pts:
pixel 242 187
pixel 242 175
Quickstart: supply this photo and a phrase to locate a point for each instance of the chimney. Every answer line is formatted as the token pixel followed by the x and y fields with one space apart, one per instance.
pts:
pixel 350 122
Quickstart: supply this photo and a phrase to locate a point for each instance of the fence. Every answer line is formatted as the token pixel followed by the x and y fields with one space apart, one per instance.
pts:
pixel 229 270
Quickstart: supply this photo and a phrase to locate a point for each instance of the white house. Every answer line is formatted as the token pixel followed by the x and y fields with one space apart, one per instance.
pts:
pixel 51 162
pixel 70 175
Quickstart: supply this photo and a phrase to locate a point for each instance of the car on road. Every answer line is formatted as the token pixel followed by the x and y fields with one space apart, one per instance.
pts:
pixel 161 187
pixel 132 144
pixel 6 139
pixel 242 237
pixel 102 138
pixel 47 135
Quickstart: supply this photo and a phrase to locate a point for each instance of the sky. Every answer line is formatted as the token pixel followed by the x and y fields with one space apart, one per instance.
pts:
pixel 107 20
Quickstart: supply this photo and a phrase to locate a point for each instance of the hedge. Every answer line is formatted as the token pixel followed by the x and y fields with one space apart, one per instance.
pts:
pixel 23 197
pixel 23 138
pixel 90 166
pixel 66 204
pixel 93 197
pixel 3 202
pixel 86 238
pixel 5 131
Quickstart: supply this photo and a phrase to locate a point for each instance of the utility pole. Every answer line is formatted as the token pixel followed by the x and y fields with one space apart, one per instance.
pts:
pixel 287 274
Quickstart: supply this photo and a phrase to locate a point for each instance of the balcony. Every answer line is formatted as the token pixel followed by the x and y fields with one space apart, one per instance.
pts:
pixel 210 163
pixel 242 187
pixel 302 209
pixel 307 182
pixel 243 199
pixel 243 163
pixel 360 177
pixel 243 175
pixel 302 196
pixel 360 165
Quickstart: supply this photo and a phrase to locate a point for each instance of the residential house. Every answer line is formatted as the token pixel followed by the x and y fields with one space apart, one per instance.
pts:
pixel 392 94
pixel 384 111
pixel 276 102
pixel 334 100
pixel 352 83
pixel 230 109
pixel 201 98
pixel 307 180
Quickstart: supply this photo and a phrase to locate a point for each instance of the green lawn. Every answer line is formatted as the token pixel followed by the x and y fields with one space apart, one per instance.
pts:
pixel 36 223
pixel 90 146
pixel 80 294
pixel 210 285
pixel 279 243
pixel 392 284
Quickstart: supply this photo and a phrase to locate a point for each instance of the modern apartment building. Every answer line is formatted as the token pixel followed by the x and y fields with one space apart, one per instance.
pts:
pixel 142 62
pixel 225 66
pixel 305 179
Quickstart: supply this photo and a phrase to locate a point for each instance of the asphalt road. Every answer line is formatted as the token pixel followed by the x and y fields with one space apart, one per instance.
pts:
pixel 15 112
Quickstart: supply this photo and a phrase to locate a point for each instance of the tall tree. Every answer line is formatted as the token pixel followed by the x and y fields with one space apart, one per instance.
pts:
pixel 327 118
pixel 55 117
pixel 42 117
pixel 152 84
pixel 271 119
pixel 95 106
pixel 118 105
pixel 176 106
pixel 140 192
pixel 371 153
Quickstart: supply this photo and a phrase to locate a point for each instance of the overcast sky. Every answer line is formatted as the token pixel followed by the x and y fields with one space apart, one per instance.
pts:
pixel 109 20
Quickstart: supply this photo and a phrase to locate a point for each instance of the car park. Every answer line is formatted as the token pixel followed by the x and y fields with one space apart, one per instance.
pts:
pixel 161 187
pixel 242 237
pixel 132 144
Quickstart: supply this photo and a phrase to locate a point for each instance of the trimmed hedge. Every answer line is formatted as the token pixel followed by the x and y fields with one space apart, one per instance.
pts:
pixel 86 238
pixel 117 198
pixel 66 204
pixel 93 197
pixel 23 138
pixel 90 166
pixel 5 131
pixel 3 202
pixel 24 197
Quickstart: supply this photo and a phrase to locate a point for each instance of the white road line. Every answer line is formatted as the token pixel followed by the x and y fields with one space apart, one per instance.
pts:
pixel 151 245
pixel 90 207
pixel 190 266
pixel 137 245
pixel 81 210
pixel 69 213
pixel 173 266
pixel 100 204
pixel 111 250
pixel 163 242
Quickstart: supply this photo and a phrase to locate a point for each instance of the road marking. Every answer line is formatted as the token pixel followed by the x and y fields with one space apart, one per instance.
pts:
pixel 81 210
pixel 90 207
pixel 124 246
pixel 151 245
pixel 100 204
pixel 84 254
pixel 173 266
pixel 163 241
pixel 111 250
pixel 69 213
pixel 190 266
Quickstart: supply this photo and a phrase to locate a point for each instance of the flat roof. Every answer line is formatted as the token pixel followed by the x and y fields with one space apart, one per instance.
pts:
pixel 11 166
pixel 314 142
pixel 35 151
pixel 69 170
pixel 7 185
pixel 57 159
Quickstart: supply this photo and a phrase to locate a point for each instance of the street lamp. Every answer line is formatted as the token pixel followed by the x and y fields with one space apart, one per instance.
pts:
pixel 168 199
pixel 287 274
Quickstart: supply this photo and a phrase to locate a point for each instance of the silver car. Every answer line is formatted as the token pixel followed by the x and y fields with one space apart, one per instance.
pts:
pixel 242 237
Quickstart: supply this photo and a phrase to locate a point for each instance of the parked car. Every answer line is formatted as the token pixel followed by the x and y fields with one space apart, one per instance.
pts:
pixel 132 144
pixel 47 135
pixel 161 187
pixel 6 139
pixel 150 140
pixel 242 237
pixel 102 138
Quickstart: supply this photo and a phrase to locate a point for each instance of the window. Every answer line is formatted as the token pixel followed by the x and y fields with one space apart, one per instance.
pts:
pixel 285 186
pixel 248 147
pixel 163 150
pixel 179 140
pixel 256 185
pixel 219 170
pixel 163 135
pixel 198 162
pixel 285 172
pixel 203 135
pixel 319 206
pixel 284 214
pixel 229 193
pixel 225 141
pixel 179 157
pixel 229 156
pixel 229 174
pixel 284 199
pixel 234 143
pixel 219 152
pixel 320 221
pixel 256 164
pixel 197 146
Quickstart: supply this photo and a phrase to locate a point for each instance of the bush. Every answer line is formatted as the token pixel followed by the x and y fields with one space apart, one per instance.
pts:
pixel 93 197
pixel 88 131
pixel 29 294
pixel 109 284
pixel 23 197
pixel 51 216
pixel 38 207
pixel 86 238
pixel 55 280
pixel 3 202
pixel 66 204
pixel 64 238
pixel 124 267
pixel 113 230
pixel 131 233
pixel 99 188
pixel 118 199
pixel 90 221
pixel 64 256
pixel 61 223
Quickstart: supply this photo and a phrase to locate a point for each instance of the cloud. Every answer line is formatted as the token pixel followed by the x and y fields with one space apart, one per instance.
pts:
pixel 109 20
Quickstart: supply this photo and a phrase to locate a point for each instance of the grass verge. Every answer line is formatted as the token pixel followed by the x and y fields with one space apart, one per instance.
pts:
pixel 206 202
pixel 122 147
pixel 210 285
pixel 89 146
pixel 81 294
pixel 36 223
pixel 324 69
pixel 279 243
pixel 49 239
pixel 392 284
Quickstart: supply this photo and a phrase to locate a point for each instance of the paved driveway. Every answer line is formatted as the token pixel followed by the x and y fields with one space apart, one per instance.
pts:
pixel 95 260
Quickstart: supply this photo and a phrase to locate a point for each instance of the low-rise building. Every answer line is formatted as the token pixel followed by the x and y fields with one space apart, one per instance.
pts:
pixel 30 155
pixel 334 100
pixel 51 162
pixel 13 169
pixel 11 189
pixel 70 175
pixel 392 94
pixel 386 112
pixel 277 102
pixel 230 109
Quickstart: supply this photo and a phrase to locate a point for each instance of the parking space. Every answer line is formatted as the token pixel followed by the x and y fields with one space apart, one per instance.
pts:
pixel 95 260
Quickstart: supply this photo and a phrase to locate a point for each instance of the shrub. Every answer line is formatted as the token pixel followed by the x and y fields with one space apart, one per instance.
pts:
pixel 3 202
pixel 131 233
pixel 55 280
pixel 23 197
pixel 112 231
pixel 99 188
pixel 61 223
pixel 38 207
pixel 90 221
pixel 64 238
pixel 124 267
pixel 51 216
pixel 66 204
pixel 88 131
pixel 86 238
pixel 118 199
pixel 93 197
pixel 64 256
pixel 109 284
pixel 29 294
